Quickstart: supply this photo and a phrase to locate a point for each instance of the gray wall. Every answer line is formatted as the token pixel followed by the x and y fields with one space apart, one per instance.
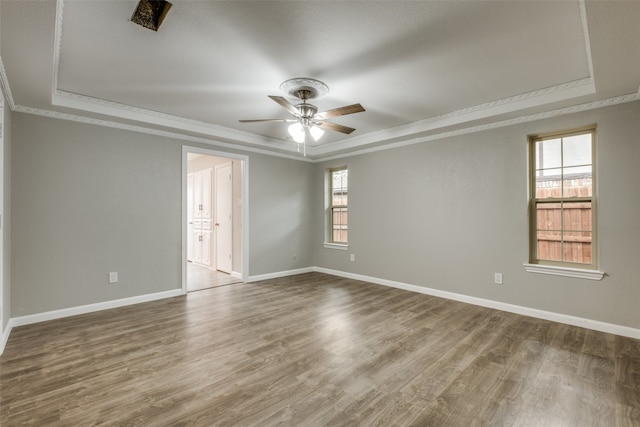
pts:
pixel 87 200
pixel 448 214
pixel 6 221
pixel 281 204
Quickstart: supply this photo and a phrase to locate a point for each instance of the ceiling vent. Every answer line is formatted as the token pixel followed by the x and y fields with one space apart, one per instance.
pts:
pixel 150 13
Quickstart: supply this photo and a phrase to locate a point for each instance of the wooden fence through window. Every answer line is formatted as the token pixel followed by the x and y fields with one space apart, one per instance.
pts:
pixel 574 244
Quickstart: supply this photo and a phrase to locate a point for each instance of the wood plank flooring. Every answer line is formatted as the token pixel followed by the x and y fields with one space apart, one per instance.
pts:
pixel 199 278
pixel 315 350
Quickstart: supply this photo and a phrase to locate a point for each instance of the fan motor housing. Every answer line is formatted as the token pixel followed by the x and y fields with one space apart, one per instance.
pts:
pixel 307 110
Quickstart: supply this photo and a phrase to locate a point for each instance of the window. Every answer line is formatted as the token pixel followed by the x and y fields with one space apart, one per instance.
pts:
pixel 562 216
pixel 338 210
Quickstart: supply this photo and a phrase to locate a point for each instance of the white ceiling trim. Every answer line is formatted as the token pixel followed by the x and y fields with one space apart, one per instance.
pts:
pixel 473 129
pixel 146 130
pixel 585 33
pixel 507 105
pixel 114 109
pixel 4 80
pixel 495 125
pixel 562 92
pixel 57 45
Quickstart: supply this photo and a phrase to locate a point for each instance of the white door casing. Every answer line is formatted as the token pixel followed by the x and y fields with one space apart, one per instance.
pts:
pixel 2 284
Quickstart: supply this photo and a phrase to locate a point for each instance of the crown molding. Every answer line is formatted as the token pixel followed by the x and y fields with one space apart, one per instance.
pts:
pixel 515 103
pixel 128 112
pixel 57 45
pixel 151 131
pixel 4 81
pixel 585 34
pixel 312 159
pixel 495 125
pixel 537 98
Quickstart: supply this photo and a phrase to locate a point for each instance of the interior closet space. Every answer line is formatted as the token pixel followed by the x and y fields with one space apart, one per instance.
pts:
pixel 214 221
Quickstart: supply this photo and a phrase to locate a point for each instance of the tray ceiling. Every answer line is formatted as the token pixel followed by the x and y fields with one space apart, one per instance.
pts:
pixel 421 69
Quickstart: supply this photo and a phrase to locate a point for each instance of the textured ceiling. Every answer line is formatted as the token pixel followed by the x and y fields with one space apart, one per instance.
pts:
pixel 420 69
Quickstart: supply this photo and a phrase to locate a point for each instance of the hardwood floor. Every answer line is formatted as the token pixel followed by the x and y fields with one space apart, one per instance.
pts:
pixel 315 350
pixel 199 278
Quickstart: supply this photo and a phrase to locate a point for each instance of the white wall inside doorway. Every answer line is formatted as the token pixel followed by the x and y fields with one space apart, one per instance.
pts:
pixel 195 159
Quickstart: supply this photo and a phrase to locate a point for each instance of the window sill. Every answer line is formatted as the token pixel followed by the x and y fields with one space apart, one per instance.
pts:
pixel 339 246
pixel 564 271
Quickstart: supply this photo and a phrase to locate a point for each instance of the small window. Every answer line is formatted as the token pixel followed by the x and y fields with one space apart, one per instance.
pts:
pixel 338 211
pixel 562 215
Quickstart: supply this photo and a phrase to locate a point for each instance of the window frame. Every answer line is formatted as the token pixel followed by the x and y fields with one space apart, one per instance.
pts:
pixel 567 268
pixel 329 239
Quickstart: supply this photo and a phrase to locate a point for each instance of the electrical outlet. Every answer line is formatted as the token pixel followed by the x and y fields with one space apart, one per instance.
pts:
pixel 352 257
pixel 113 277
pixel 498 278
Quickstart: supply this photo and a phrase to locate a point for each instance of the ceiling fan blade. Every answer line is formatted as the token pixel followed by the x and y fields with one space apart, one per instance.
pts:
pixel 349 109
pixel 335 127
pixel 286 105
pixel 267 121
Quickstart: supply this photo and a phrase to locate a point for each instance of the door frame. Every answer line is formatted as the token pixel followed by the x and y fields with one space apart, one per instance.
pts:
pixel 244 202
pixel 3 303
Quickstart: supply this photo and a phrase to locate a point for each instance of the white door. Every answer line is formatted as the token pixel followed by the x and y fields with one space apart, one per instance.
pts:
pixel 206 247
pixel 206 193
pixel 190 202
pixel 197 195
pixel 199 216
pixel 197 246
pixel 224 224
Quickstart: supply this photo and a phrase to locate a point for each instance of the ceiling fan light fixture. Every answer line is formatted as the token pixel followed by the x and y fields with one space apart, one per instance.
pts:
pixel 306 117
pixel 316 132
pixel 296 131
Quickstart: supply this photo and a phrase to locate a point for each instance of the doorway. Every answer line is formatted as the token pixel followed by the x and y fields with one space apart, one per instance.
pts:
pixel 214 221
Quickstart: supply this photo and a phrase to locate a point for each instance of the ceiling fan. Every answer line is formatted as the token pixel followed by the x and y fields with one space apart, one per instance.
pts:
pixel 307 121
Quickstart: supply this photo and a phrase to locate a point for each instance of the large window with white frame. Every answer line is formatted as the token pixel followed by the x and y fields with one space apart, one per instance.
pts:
pixel 338 210
pixel 562 199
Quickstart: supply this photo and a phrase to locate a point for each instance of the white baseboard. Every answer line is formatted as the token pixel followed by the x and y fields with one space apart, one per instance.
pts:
pixel 596 325
pixel 511 308
pixel 72 311
pixel 236 275
pixel 5 335
pixel 281 274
